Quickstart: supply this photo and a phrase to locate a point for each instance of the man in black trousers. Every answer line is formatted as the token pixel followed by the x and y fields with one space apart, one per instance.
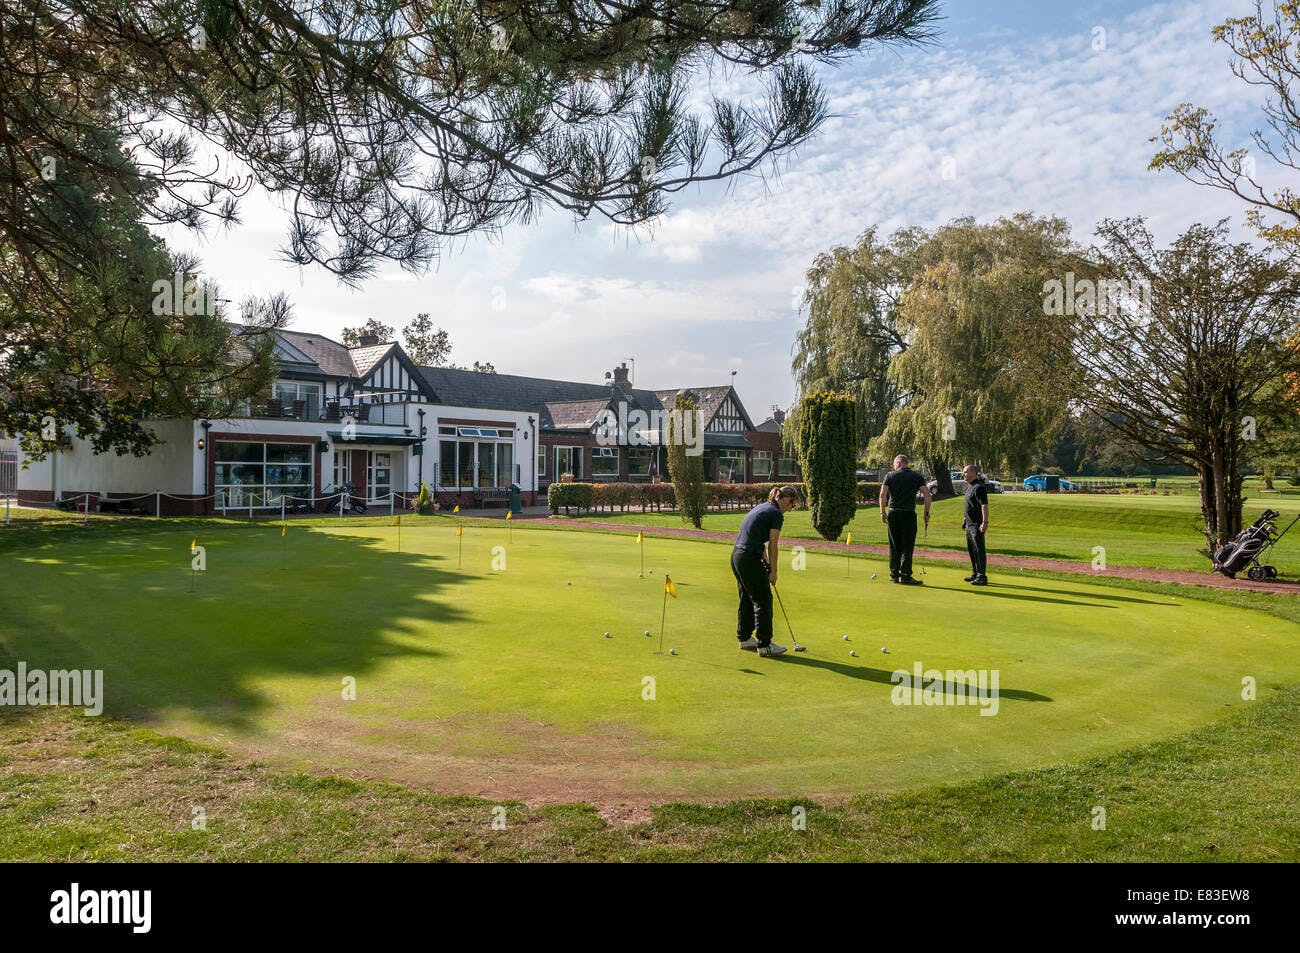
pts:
pixel 975 521
pixel 898 512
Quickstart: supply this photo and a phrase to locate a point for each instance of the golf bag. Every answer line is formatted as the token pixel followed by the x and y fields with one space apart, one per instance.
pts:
pixel 1249 545
pixel 330 503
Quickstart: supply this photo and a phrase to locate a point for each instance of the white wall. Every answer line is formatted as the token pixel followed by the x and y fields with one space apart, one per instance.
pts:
pixel 170 467
pixel 525 453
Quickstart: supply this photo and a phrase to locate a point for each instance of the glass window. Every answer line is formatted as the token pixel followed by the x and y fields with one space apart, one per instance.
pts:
pixel 568 460
pixel 505 464
pixel 261 474
pixel 447 464
pixel 787 464
pixel 487 471
pixel 762 464
pixel 541 460
pixel 638 461
pixel 731 466
pixel 465 463
pixel 379 474
pixel 604 461
pixel 340 467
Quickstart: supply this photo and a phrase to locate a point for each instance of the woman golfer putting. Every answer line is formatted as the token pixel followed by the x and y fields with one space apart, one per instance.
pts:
pixel 753 562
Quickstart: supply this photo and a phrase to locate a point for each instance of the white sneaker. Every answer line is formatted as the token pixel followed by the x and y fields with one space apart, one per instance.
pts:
pixel 771 649
pixel 749 644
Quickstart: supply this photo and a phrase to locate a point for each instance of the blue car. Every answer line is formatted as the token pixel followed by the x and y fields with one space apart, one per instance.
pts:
pixel 1038 483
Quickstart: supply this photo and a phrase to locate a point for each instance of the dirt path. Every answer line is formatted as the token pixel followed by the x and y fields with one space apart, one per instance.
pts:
pixel 1185 577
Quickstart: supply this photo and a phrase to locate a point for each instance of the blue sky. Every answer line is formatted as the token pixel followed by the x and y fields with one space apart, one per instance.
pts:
pixel 1039 106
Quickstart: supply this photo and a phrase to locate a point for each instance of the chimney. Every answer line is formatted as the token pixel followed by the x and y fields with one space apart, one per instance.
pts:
pixel 369 340
pixel 620 378
pixel 778 415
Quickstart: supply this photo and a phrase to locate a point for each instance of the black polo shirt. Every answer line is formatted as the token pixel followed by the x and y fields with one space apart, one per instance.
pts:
pixel 903 486
pixel 977 496
pixel 757 527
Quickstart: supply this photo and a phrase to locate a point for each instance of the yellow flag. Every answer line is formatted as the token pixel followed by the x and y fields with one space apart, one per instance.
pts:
pixel 850 542
pixel 284 528
pixel 457 509
pixel 638 536
pixel 194 543
pixel 458 531
pixel 397 521
pixel 669 587
pixel 510 514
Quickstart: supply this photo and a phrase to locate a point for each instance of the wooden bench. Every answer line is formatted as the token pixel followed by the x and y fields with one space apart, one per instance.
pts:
pixel 491 494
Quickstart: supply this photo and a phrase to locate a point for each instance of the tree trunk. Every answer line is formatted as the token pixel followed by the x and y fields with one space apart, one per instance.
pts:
pixel 940 470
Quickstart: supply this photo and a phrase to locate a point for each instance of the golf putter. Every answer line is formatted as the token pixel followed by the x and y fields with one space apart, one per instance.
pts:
pixel 794 643
pixel 926 540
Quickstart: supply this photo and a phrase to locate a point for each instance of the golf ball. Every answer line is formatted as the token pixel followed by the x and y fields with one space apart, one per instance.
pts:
pixel 569 583
pixel 873 575
pixel 608 636
pixel 885 650
pixel 853 653
pixel 647 632
pixel 672 651
pixel 846 638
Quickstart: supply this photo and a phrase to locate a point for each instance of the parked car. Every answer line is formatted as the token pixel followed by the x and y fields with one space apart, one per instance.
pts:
pixel 1038 484
pixel 992 486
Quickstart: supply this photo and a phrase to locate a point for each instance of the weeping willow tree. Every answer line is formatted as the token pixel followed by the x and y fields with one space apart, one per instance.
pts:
pixel 981 381
pixel 852 330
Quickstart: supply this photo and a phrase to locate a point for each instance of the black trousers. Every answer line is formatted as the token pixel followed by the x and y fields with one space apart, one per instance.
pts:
pixel 754 614
pixel 902 540
pixel 975 547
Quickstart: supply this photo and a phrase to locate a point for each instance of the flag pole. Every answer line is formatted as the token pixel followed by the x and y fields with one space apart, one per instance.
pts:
pixel 641 536
pixel 662 619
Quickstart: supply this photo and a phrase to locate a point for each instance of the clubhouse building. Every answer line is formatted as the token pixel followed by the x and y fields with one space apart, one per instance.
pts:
pixel 369 418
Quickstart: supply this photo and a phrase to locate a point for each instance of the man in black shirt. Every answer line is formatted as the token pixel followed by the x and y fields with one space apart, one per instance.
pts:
pixel 753 562
pixel 975 521
pixel 898 512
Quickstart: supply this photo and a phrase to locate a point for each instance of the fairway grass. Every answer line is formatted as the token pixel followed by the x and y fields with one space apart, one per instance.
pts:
pixel 1157 532
pixel 500 683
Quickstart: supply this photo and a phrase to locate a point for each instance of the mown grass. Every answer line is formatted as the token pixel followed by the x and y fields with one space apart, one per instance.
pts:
pixel 1158 532
pixel 78 789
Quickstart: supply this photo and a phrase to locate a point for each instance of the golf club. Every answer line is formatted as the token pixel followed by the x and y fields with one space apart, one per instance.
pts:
pixel 926 540
pixel 794 643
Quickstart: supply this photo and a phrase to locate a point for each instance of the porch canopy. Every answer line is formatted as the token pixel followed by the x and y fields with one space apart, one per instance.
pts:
pixel 360 440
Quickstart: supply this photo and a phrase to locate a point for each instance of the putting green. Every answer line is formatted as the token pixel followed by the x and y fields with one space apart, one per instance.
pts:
pixel 501 683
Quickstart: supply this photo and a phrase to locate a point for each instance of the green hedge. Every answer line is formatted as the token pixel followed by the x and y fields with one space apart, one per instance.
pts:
pixel 649 497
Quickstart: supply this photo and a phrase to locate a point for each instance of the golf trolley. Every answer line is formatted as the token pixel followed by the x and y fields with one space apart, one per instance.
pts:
pixel 1250 544
pixel 350 501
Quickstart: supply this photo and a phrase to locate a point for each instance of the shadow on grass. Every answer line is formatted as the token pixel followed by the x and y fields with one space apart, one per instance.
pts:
pixel 992 589
pixel 319 606
pixel 882 677
pixel 1066 592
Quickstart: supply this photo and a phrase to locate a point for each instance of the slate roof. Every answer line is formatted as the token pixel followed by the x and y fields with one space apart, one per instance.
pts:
pixel 769 426
pixel 331 357
pixel 573 414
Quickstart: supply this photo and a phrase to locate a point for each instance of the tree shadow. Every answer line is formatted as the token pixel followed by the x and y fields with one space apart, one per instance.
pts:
pixel 314 604
pixel 882 677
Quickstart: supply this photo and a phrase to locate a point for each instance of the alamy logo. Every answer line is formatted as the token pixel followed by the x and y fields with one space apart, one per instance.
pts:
pixel 1088 298
pixel 650 428
pixel 924 686
pixel 80 688
pixel 74 905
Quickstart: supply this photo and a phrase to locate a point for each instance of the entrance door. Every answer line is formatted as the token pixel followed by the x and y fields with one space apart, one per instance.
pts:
pixel 379 473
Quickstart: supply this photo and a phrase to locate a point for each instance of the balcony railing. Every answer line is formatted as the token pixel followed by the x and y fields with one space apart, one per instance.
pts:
pixel 389 415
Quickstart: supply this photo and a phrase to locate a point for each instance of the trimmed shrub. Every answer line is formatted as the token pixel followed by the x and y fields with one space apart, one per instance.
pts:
pixel 579 496
pixel 828 454
pixel 687 471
